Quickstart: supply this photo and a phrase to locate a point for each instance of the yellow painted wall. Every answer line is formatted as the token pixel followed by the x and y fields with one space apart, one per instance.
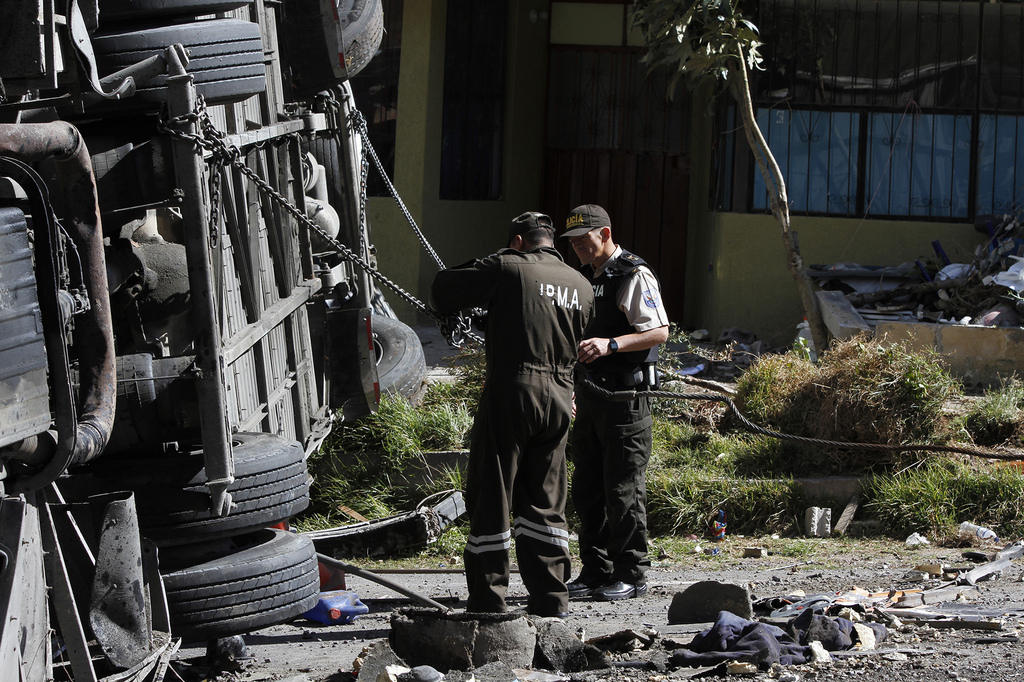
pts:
pixel 740 264
pixel 458 230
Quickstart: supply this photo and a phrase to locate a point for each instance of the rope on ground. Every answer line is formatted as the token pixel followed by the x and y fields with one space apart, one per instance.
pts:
pixel 625 396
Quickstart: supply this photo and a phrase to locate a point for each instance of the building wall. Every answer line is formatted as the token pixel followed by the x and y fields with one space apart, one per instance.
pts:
pixel 736 270
pixel 736 274
pixel 458 230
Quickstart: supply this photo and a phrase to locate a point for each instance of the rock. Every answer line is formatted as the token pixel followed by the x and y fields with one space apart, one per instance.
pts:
pixel 495 671
pixel 702 602
pixel 558 648
pixel 865 636
pixel 819 654
pixel 226 653
pixel 376 660
pixel 421 673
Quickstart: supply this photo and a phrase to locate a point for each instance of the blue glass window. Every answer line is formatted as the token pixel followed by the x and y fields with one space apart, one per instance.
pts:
pixel 1000 164
pixel 817 154
pixel 918 165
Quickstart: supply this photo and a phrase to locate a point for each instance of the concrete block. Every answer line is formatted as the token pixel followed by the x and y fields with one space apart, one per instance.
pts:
pixel 977 356
pixel 839 315
pixel 376 661
pixel 818 522
pixel 703 601
pixel 558 648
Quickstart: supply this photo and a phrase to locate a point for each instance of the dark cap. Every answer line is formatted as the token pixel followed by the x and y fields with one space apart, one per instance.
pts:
pixel 585 218
pixel 531 220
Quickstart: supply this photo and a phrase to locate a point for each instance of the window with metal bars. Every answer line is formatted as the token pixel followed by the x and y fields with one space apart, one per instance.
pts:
pixel 474 100
pixel 890 108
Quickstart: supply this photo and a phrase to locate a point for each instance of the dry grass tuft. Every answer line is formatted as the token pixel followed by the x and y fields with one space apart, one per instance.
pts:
pixel 862 391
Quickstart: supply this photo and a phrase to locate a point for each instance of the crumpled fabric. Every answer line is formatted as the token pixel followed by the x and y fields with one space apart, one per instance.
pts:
pixel 733 638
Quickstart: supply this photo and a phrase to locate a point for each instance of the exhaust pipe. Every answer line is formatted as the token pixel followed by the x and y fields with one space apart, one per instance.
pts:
pixel 32 142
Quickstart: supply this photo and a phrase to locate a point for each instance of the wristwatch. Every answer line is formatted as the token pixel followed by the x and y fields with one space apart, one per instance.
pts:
pixel 613 345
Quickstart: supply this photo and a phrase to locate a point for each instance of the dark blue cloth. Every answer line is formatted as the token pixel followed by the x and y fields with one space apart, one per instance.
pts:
pixel 732 638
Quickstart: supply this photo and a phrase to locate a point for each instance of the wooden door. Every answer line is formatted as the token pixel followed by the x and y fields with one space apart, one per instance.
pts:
pixel 614 139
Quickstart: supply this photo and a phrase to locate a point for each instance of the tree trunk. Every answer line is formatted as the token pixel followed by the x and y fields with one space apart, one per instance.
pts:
pixel 773 179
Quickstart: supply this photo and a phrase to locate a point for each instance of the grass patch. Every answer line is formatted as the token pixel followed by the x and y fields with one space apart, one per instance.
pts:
pixel 686 501
pixel 862 391
pixel 996 417
pixel 935 498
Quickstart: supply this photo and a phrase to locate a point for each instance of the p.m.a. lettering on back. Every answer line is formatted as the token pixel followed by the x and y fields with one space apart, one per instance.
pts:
pixel 566 297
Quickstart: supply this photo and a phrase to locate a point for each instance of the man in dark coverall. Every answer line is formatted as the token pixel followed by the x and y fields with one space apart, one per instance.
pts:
pixel 611 442
pixel 537 310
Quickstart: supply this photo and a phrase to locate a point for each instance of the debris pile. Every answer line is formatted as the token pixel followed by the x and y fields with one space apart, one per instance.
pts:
pixel 985 291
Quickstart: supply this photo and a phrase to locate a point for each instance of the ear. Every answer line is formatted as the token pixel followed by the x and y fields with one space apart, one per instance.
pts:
pixel 606 234
pixel 516 243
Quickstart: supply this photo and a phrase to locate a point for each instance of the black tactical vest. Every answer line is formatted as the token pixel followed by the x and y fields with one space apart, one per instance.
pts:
pixel 609 321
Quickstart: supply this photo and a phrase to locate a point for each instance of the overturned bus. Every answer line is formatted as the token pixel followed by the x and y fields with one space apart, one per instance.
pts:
pixel 187 306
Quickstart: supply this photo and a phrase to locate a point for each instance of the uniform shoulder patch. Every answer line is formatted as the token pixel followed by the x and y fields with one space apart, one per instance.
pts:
pixel 651 299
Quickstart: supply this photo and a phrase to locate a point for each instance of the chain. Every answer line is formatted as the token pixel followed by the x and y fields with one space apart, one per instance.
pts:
pixel 215 208
pixel 212 140
pixel 356 117
pixel 625 396
pixel 364 171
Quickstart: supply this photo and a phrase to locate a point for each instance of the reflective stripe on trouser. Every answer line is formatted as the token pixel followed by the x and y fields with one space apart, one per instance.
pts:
pixel 517 466
pixel 611 447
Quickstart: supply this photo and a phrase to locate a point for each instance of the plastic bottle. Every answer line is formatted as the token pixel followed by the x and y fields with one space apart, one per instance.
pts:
pixel 337 607
pixel 971 530
pixel 718 529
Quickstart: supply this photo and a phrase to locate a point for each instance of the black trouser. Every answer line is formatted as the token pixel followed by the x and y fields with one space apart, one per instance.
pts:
pixel 611 446
pixel 517 467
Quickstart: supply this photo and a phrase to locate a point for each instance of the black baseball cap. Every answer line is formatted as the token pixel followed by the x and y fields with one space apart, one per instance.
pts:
pixel 531 220
pixel 585 218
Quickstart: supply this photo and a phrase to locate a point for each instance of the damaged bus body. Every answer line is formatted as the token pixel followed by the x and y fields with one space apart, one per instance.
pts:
pixel 186 306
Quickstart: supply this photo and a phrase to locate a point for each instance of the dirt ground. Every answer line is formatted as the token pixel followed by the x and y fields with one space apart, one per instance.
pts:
pixel 306 651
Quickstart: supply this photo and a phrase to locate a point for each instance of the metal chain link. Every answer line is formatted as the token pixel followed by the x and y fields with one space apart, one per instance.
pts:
pixel 357 119
pixel 624 396
pixel 212 140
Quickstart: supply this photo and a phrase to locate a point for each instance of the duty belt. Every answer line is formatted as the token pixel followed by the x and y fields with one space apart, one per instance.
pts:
pixel 618 381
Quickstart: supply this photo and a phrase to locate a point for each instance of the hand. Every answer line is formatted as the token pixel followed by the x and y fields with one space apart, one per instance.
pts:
pixel 592 349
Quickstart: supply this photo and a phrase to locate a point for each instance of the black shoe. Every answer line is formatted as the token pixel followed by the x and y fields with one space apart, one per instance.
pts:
pixel 561 615
pixel 620 590
pixel 579 588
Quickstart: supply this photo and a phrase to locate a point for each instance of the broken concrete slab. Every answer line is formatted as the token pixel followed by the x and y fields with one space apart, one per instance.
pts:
pixel 374 661
pixel 462 641
pixel 703 601
pixel 839 315
pixel 558 648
